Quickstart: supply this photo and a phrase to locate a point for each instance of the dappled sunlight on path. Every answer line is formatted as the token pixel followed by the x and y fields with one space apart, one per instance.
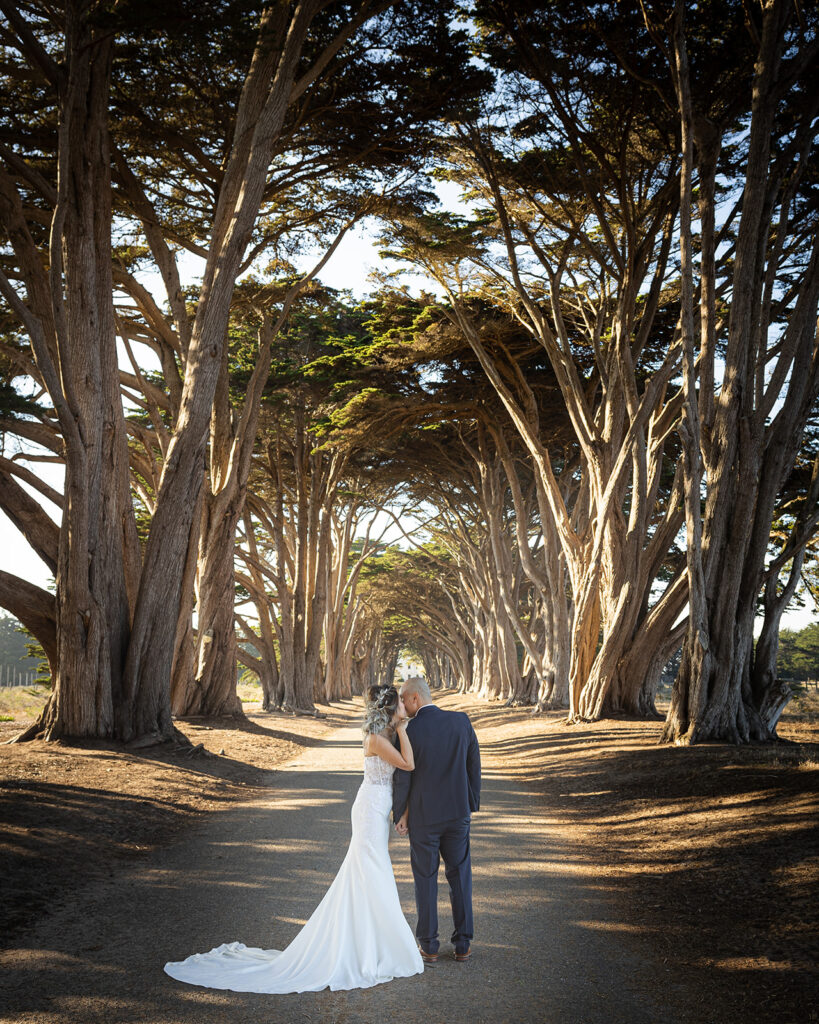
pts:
pixel 547 946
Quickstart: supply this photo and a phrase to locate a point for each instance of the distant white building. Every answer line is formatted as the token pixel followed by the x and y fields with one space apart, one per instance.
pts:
pixel 409 669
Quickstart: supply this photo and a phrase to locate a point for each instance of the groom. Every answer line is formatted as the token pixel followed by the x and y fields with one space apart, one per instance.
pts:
pixel 433 804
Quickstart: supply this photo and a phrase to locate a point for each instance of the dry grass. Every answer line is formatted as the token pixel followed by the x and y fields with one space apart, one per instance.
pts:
pixel 21 703
pixel 803 711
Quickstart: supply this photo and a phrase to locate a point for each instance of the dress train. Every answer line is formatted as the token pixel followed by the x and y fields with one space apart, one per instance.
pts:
pixel 356 937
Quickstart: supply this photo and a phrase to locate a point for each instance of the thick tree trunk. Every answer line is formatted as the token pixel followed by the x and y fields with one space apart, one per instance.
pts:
pixel 115 667
pixel 98 546
pixel 747 458
pixel 262 109
pixel 559 642
pixel 585 638
pixel 212 689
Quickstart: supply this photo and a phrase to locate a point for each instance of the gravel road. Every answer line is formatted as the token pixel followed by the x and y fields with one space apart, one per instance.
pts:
pixel 546 949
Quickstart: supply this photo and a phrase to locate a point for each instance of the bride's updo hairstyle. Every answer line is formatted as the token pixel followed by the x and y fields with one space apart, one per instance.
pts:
pixel 381 705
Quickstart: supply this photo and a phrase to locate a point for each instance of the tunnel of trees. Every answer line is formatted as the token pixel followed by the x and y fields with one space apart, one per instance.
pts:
pixel 583 436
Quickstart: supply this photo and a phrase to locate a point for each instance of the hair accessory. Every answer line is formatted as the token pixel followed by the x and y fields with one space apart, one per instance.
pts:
pixel 377 716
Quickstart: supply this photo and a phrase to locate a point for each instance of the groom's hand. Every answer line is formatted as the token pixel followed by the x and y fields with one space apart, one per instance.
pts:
pixel 401 826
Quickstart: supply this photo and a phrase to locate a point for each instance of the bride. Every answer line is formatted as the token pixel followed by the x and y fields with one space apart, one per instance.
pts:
pixel 357 936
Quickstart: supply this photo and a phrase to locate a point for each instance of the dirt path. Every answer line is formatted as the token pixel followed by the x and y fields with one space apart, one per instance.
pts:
pixel 546 948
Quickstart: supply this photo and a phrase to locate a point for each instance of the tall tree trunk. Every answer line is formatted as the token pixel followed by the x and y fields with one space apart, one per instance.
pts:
pixel 262 108
pixel 184 660
pixel 747 458
pixel 769 697
pixel 265 643
pixel 212 689
pixel 98 546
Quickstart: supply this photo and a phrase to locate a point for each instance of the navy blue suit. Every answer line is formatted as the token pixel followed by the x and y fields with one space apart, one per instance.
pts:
pixel 441 794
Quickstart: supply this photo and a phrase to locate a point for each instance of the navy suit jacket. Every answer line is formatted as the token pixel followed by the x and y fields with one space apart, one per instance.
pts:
pixel 446 783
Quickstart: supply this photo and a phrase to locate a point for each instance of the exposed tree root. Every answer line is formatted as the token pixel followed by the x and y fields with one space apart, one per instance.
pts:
pixel 33 732
pixel 311 712
pixel 200 750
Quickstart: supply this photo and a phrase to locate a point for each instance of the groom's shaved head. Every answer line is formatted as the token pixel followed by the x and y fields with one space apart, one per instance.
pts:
pixel 418 686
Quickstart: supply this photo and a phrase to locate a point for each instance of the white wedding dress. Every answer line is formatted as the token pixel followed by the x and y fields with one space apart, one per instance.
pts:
pixel 357 936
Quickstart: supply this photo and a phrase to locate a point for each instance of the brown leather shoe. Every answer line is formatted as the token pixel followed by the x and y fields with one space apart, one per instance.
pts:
pixel 462 957
pixel 428 958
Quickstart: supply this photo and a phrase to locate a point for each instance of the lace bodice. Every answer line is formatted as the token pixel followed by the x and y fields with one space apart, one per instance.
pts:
pixel 377 771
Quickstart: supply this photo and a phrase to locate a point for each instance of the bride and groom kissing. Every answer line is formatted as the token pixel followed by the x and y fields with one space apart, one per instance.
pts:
pixel 422 764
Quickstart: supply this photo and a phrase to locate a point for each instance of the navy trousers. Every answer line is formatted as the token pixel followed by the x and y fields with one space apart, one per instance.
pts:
pixel 449 841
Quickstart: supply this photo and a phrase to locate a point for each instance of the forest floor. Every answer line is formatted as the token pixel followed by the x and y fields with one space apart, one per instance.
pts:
pixel 615 879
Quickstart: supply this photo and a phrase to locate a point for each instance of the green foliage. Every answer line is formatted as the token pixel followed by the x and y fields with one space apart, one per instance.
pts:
pixel 348 141
pixel 16 650
pixel 403 594
pixel 13 403
pixel 798 656
pixel 36 651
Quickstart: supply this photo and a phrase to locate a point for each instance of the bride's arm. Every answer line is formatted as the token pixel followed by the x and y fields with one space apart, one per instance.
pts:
pixel 377 744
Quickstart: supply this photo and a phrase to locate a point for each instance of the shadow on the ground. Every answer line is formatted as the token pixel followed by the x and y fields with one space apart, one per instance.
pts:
pixel 667 905
pixel 57 838
pixel 255 722
pixel 711 852
pixel 544 948
pixel 60 836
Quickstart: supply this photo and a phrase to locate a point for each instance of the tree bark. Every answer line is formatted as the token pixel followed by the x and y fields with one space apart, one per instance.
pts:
pixel 262 108
pixel 747 458
pixel 31 520
pixel 75 349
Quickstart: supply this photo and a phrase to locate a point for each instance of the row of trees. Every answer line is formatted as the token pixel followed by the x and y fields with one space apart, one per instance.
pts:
pixel 137 133
pixel 603 420
pixel 611 133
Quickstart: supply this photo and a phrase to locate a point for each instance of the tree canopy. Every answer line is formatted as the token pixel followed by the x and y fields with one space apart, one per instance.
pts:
pixel 588 438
